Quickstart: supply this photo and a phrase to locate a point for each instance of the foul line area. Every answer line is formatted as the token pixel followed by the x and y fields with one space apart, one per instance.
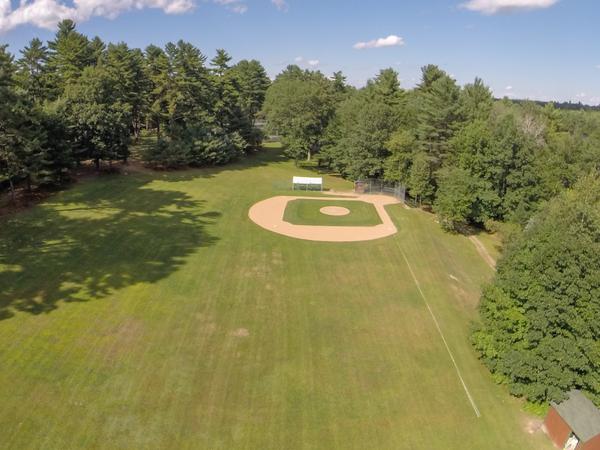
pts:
pixel 437 326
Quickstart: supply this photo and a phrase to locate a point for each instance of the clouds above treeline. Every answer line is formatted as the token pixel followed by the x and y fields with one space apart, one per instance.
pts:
pixel 391 41
pixel 47 13
pixel 505 6
pixel 301 60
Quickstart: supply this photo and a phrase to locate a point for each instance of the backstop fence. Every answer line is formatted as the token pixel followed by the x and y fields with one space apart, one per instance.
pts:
pixel 376 186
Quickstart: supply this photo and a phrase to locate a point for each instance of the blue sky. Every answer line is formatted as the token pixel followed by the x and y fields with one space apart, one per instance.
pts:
pixel 539 49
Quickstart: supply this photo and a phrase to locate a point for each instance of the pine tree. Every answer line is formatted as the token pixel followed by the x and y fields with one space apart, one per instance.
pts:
pixel 20 137
pixel 99 126
pixel 439 117
pixel 70 53
pixel 476 101
pixel 252 83
pixel 97 49
pixel 32 71
pixel 158 72
pixel 386 86
pixel 129 81
pixel 339 82
pixel 190 97
pixel 220 63
pixel 10 165
pixel 430 74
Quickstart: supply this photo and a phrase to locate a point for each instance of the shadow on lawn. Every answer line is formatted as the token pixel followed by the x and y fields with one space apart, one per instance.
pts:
pixel 106 235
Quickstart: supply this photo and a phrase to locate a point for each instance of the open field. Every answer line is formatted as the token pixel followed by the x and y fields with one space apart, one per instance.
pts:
pixel 147 311
pixel 307 212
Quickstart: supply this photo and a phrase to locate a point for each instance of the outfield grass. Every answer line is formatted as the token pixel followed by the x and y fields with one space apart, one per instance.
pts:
pixel 307 212
pixel 147 311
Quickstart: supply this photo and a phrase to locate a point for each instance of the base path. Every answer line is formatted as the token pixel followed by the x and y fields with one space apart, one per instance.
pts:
pixel 269 215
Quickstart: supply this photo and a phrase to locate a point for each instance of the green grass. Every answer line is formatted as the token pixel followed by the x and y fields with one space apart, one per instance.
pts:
pixel 307 212
pixel 492 242
pixel 148 311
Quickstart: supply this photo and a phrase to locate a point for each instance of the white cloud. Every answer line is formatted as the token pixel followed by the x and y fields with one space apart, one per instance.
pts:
pixel 306 62
pixel 236 6
pixel 594 100
pixel 47 13
pixel 502 6
pixel 280 4
pixel 240 9
pixel 390 41
pixel 508 88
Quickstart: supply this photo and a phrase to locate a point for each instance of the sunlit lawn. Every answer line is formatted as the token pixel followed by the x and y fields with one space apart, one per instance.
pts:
pixel 147 311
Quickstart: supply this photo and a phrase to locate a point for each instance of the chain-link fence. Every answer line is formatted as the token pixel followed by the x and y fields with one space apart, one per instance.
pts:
pixel 376 186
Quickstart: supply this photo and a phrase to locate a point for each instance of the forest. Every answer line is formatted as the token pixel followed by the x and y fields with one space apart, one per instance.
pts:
pixel 526 169
pixel 78 99
pixel 473 159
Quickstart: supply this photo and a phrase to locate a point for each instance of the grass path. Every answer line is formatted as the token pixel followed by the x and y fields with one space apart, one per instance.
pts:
pixel 148 311
pixel 483 252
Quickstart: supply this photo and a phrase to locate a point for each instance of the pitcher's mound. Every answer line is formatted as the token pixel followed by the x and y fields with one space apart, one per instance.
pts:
pixel 334 211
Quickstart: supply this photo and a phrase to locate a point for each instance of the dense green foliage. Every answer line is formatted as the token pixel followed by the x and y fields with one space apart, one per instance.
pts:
pixel 540 330
pixel 298 106
pixel 474 159
pixel 78 99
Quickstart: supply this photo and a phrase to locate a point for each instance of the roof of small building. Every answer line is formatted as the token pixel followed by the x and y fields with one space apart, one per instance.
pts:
pixel 580 414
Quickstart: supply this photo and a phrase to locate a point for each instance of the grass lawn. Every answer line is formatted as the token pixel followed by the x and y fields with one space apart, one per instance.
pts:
pixel 307 212
pixel 492 243
pixel 147 311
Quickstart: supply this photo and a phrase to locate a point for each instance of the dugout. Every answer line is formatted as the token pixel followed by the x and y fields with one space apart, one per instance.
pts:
pixel 307 183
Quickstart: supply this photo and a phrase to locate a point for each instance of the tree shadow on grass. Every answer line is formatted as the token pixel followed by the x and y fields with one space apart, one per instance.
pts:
pixel 110 233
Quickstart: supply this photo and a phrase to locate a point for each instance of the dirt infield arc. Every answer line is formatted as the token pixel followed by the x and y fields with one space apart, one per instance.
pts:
pixel 269 215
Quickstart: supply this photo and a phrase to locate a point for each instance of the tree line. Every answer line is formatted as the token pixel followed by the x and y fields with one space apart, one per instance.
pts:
pixel 540 329
pixel 78 99
pixel 473 159
pixel 479 161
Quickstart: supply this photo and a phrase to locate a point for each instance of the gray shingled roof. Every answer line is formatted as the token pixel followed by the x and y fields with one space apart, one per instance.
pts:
pixel 581 414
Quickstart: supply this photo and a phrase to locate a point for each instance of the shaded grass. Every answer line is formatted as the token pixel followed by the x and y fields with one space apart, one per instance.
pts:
pixel 124 298
pixel 307 212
